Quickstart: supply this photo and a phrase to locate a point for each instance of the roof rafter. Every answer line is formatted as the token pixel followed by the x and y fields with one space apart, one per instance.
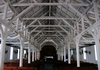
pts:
pixel 53 4
pixel 47 17
pixel 20 14
pixel 85 17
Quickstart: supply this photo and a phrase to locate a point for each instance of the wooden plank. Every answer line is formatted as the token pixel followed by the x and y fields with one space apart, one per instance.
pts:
pixel 25 68
pixel 10 68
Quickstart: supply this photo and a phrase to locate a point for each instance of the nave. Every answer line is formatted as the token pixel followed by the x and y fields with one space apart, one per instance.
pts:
pixel 72 27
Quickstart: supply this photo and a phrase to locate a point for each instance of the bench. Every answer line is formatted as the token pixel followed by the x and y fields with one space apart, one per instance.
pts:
pixel 25 68
pixel 10 68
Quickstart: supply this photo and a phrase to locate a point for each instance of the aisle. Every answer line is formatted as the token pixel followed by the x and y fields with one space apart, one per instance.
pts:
pixel 47 66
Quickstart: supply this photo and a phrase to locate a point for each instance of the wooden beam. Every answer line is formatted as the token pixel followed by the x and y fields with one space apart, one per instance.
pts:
pixel 47 18
pixel 27 9
pixel 53 4
pixel 85 17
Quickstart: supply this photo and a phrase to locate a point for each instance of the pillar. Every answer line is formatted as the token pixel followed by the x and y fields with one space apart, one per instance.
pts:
pixel 29 53
pixel 96 34
pixel 97 42
pixel 69 55
pixel 21 52
pixel 4 34
pixel 77 51
pixel 58 55
pixel 33 55
pixel 61 55
pixel 2 51
pixel 38 55
pixel 98 52
pixel 64 53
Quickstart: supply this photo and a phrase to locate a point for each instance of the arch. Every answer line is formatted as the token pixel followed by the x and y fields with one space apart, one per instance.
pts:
pixel 48 50
pixel 49 42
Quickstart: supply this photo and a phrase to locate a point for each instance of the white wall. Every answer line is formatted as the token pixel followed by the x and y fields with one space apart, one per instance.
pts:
pixel 81 56
pixel 7 55
pixel 74 54
pixel 15 55
pixel 89 57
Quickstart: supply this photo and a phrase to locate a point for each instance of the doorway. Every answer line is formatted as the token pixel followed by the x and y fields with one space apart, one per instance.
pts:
pixel 48 52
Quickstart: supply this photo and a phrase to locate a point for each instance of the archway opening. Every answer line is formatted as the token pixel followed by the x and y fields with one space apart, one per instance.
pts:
pixel 48 51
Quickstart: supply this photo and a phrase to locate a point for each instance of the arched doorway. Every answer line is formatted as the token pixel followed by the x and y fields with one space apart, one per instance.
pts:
pixel 48 51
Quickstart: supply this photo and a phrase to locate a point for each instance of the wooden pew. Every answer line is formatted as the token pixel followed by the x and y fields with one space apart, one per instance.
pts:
pixel 86 68
pixel 35 68
pixel 25 68
pixel 10 68
pixel 76 68
pixel 14 65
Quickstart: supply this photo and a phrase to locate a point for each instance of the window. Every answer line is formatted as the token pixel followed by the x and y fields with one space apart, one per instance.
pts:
pixel 25 56
pixel 95 50
pixel 18 54
pixel 84 54
pixel 11 53
pixel 24 52
pixel 71 52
